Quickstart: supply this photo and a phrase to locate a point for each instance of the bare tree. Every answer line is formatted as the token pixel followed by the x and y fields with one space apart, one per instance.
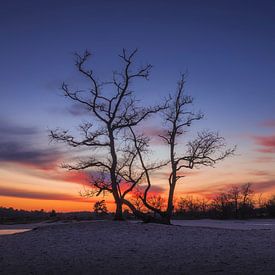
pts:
pixel 222 205
pixel 118 152
pixel 246 193
pixel 246 204
pixel 112 113
pixel 136 172
pixel 237 202
pixel 206 149
pixel 157 201
pixel 137 203
pixel 188 204
pixel 270 206
pixel 192 207
pixel 235 196
pixel 100 207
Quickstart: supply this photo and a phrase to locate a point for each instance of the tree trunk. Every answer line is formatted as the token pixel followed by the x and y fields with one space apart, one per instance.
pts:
pixel 170 206
pixel 147 218
pixel 118 213
pixel 165 220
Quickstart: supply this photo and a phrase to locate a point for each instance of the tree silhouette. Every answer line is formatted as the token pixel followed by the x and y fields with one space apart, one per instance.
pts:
pixel 112 113
pixel 192 207
pixel 206 149
pixel 270 206
pixel 237 202
pixel 118 152
pixel 100 207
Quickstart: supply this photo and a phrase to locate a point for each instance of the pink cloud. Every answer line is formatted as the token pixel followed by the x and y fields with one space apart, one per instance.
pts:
pixel 259 173
pixel 190 173
pixel 79 177
pixel 267 143
pixel 268 123
pixel 154 132
pixel 264 186
pixel 264 160
pixel 154 189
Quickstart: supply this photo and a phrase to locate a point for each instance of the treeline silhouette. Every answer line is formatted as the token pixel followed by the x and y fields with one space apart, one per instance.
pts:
pixel 239 202
pixel 18 215
pixel 11 215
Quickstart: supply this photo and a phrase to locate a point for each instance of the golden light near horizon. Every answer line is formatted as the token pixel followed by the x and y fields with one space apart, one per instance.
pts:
pixel 137 137
pixel 237 105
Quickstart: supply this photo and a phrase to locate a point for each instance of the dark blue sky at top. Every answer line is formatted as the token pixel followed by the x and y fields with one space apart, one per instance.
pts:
pixel 227 47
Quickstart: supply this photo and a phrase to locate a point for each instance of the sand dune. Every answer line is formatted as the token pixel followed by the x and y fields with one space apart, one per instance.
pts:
pixel 132 248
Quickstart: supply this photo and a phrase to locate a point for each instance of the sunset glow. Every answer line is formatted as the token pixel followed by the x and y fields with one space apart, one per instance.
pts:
pixel 230 75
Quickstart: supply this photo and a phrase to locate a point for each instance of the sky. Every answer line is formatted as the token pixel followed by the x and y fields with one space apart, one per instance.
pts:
pixel 227 49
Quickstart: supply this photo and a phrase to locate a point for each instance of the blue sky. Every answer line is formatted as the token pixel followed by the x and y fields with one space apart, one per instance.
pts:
pixel 227 48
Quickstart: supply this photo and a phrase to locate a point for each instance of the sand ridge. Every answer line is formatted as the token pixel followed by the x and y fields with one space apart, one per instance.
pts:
pixel 107 247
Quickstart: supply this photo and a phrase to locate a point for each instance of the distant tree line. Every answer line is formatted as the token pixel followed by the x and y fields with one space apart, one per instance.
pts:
pixel 11 215
pixel 15 215
pixel 239 202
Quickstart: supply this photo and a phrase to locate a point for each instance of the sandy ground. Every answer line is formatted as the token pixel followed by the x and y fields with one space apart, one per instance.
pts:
pixel 31 225
pixel 230 224
pixel 107 247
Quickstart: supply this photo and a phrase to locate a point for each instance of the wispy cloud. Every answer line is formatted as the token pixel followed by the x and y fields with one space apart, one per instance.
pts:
pixel 212 190
pixel 8 130
pixel 23 154
pixel 79 177
pixel 264 159
pixel 77 109
pixel 268 123
pixel 28 194
pixel 259 173
pixel 18 145
pixel 154 189
pixel 264 186
pixel 165 174
pixel 154 132
pixel 266 143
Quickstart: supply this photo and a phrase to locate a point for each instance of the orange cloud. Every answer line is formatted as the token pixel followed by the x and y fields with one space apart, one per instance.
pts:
pixel 21 193
pixel 265 186
pixel 259 173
